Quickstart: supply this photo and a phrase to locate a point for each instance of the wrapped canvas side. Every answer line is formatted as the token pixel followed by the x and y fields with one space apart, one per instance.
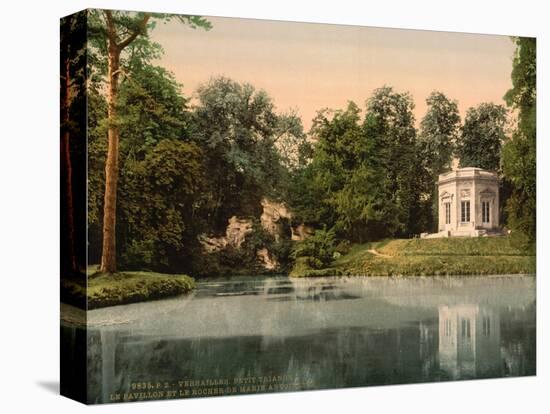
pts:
pixel 73 231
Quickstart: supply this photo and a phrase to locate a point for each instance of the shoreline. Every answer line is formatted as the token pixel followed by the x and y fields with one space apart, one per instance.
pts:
pixel 421 257
pixel 106 290
pixel 73 315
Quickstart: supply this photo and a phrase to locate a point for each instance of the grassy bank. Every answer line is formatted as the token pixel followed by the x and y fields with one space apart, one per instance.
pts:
pixel 123 288
pixel 432 257
pixel 466 246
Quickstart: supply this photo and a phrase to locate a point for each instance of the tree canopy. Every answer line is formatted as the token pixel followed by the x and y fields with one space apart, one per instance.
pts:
pixel 362 180
pixel 185 166
pixel 119 44
pixel 520 152
pixel 240 128
pixel 437 140
pixel 439 132
pixel 482 136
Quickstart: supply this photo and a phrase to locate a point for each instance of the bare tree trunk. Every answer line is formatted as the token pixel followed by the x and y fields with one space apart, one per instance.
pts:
pixel 108 258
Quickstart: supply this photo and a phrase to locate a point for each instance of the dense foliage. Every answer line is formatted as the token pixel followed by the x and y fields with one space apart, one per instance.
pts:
pixel 365 179
pixel 439 132
pixel 119 45
pixel 519 152
pixel 319 249
pixel 239 128
pixel 360 174
pixel 437 139
pixel 482 136
pixel 184 171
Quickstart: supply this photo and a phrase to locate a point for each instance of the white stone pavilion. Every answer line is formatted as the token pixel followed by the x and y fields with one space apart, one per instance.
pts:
pixel 468 203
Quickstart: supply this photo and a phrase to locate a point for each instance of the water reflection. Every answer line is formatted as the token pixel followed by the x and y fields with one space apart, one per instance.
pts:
pixel 469 341
pixel 325 333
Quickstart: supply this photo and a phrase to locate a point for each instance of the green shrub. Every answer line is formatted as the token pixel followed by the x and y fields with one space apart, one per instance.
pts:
pixel 343 247
pixel 140 255
pixel 282 250
pixel 205 265
pixel 310 267
pixel 319 248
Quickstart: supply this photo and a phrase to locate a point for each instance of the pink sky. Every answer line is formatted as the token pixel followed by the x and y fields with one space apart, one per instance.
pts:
pixel 306 66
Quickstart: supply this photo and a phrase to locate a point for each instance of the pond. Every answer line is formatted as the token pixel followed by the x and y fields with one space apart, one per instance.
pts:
pixel 264 334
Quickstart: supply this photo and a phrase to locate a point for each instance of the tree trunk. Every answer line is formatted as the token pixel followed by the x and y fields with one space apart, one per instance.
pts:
pixel 108 258
pixel 69 263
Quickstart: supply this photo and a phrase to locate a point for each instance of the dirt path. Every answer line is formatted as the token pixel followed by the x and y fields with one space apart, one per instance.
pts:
pixel 378 253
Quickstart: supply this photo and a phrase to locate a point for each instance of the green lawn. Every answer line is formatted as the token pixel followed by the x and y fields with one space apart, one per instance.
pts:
pixel 122 288
pixel 431 257
pixel 469 246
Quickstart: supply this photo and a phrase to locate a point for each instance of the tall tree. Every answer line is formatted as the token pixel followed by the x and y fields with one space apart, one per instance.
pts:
pixel 439 131
pixel 336 133
pixel 112 33
pixel 483 133
pixel 390 123
pixel 348 185
pixel 239 129
pixel 519 153
pixel 365 176
pixel 151 111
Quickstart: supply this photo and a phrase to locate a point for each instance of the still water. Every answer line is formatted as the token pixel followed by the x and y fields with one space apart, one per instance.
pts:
pixel 277 334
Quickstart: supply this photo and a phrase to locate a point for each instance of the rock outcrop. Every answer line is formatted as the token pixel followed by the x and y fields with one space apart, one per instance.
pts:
pixel 212 244
pixel 235 235
pixel 266 259
pixel 236 231
pixel 301 232
pixel 275 218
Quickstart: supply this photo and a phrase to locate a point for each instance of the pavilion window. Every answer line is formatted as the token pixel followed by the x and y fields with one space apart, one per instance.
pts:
pixel 447 213
pixel 465 212
pixel 485 212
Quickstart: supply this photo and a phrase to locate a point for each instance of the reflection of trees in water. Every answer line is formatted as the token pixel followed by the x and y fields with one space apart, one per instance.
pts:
pixel 368 341
pixel 518 340
pixel 334 358
pixel 427 348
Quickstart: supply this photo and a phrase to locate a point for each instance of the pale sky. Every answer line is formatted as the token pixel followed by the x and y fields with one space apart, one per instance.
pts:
pixel 307 66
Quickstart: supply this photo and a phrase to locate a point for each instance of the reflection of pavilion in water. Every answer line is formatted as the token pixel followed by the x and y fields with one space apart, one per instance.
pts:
pixel 469 341
pixel 336 334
